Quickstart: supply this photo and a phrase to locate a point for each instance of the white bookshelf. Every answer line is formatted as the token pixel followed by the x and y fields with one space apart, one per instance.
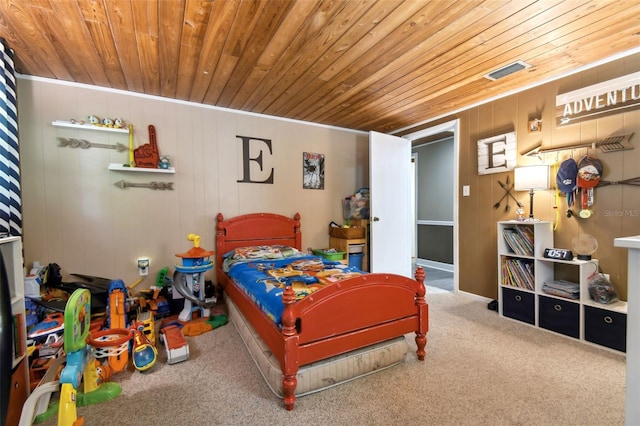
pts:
pixel 581 318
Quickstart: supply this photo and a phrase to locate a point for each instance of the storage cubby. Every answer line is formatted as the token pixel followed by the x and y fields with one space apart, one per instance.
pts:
pixel 350 245
pixel 11 249
pixel 562 308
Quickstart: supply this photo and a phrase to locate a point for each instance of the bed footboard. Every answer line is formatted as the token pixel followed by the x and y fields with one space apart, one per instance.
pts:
pixel 349 315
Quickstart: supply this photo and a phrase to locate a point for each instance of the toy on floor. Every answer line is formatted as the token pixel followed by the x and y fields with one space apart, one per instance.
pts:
pixel 80 361
pixel 117 319
pixel 146 320
pixel 189 279
pixel 143 354
pixel 153 299
pixel 175 344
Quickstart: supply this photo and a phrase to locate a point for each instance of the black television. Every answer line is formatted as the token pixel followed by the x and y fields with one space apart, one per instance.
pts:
pixel 6 342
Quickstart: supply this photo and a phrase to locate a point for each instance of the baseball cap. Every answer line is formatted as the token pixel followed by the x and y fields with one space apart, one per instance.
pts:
pixel 589 172
pixel 566 178
pixel 567 175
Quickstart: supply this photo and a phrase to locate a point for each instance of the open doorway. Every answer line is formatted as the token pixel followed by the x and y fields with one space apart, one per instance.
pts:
pixel 435 204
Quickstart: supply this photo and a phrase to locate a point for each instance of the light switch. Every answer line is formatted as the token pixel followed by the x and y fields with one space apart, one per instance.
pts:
pixel 466 190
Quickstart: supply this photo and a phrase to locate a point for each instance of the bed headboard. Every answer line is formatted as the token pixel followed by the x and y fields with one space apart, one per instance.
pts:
pixel 256 229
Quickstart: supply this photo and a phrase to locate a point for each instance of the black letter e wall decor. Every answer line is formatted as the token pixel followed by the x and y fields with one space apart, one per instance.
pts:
pixel 246 158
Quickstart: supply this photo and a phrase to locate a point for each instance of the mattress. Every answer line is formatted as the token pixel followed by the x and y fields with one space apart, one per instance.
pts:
pixel 322 374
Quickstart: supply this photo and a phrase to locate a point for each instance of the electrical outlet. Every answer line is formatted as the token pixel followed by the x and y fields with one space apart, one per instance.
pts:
pixel 143 266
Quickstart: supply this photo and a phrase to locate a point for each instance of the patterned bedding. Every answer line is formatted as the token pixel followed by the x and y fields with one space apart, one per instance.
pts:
pixel 263 272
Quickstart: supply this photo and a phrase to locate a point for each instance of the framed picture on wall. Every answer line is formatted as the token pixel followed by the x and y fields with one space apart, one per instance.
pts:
pixel 312 170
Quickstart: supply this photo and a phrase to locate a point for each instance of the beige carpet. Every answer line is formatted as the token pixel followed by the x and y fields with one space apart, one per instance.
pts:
pixel 480 370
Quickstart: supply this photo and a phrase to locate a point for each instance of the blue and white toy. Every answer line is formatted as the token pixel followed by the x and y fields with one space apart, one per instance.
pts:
pixel 189 279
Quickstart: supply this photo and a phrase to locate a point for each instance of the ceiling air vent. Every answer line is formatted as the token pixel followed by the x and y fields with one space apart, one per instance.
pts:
pixel 507 70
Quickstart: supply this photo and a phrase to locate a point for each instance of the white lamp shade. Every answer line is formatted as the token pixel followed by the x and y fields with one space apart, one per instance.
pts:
pixel 531 177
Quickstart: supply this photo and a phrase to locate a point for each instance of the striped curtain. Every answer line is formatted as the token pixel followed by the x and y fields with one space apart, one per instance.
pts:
pixel 10 198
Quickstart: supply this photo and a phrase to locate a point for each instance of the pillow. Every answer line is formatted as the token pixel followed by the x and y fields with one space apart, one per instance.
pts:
pixel 261 252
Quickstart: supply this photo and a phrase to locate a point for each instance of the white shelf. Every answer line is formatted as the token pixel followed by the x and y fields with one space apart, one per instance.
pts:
pixel 583 318
pixel 60 123
pixel 120 168
pixel 11 249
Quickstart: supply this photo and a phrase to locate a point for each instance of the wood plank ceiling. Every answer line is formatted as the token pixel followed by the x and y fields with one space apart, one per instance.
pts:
pixel 368 65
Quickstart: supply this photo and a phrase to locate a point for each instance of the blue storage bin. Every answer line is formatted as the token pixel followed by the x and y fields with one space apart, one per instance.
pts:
pixel 355 259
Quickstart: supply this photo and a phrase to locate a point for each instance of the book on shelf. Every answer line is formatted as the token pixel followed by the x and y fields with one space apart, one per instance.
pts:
pixel 519 239
pixel 518 273
pixel 18 343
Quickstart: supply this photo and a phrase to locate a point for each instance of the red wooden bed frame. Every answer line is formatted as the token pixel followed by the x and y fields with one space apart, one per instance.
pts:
pixel 351 314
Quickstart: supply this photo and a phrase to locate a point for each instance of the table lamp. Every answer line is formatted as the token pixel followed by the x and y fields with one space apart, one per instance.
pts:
pixel 531 178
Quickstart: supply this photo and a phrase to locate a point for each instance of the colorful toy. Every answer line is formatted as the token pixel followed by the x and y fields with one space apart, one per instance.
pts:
pixel 119 123
pixel 165 162
pixel 146 320
pixel 77 320
pixel 53 323
pixel 104 372
pixel 143 354
pixel 175 344
pixel 94 120
pixel 117 319
pixel 188 279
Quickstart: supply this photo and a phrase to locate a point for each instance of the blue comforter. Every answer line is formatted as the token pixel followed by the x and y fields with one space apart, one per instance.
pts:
pixel 264 280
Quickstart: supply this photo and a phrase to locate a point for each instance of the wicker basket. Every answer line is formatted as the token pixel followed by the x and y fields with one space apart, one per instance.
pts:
pixel 347 233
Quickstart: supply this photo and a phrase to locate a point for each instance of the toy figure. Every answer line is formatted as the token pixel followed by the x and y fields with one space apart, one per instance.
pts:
pixel 165 162
pixel 94 120
pixel 107 122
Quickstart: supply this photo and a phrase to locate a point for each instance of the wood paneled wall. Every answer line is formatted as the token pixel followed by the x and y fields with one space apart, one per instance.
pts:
pixel 616 208
pixel 76 217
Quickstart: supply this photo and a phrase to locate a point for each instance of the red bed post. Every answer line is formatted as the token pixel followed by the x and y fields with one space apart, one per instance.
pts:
pixel 291 361
pixel 296 231
pixel 219 247
pixel 423 309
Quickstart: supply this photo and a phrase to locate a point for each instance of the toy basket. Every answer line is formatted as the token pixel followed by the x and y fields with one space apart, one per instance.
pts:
pixel 329 255
pixel 348 233
pixel 110 342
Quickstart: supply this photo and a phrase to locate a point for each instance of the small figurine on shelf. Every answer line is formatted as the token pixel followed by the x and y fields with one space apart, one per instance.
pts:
pixel 165 162
pixel 94 120
pixel 119 123
pixel 107 122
